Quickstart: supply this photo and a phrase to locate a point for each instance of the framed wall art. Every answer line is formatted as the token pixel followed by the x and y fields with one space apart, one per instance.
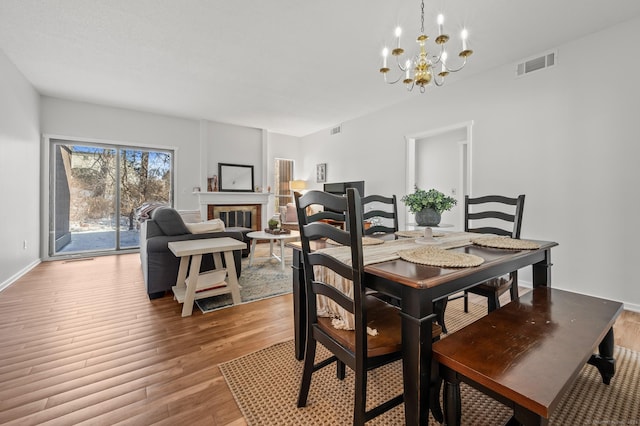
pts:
pixel 321 172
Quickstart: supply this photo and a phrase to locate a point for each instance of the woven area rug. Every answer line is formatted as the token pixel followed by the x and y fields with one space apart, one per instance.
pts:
pixel 265 386
pixel 259 281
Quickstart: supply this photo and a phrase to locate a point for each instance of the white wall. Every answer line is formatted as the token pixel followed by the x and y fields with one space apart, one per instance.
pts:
pixel 566 137
pixel 19 174
pixel 227 143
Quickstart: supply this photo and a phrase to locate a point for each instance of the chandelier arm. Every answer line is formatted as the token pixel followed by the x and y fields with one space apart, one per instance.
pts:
pixel 435 81
pixel 392 82
pixel 459 68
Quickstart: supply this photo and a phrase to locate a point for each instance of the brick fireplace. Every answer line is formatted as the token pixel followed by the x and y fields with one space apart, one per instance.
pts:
pixel 234 205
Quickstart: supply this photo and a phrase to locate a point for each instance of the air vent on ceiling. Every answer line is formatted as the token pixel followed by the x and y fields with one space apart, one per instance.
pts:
pixel 537 63
pixel 336 130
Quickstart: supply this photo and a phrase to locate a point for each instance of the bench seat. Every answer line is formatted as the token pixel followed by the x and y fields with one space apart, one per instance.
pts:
pixel 529 352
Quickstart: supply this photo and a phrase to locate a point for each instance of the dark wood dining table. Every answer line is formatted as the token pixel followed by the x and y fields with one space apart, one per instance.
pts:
pixel 417 287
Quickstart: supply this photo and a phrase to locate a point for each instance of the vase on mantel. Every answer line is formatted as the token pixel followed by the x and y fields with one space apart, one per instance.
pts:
pixel 428 217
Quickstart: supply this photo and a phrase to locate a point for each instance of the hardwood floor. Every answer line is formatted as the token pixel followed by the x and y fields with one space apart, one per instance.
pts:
pixel 82 344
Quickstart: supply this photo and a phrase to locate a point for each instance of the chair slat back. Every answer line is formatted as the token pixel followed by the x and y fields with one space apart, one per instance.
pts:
pixel 494 214
pixel 312 228
pixel 380 206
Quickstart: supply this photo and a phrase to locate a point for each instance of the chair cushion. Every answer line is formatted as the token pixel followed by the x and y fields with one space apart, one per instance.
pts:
pixel 169 221
pixel 382 317
pixel 213 225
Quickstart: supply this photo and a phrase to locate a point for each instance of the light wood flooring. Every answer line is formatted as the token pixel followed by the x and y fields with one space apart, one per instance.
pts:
pixel 80 343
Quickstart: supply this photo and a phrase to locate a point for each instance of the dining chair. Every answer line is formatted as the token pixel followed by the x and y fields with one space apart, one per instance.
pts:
pixel 492 214
pixel 382 207
pixel 359 350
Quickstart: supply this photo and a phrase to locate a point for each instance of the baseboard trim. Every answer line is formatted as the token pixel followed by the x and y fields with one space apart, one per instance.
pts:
pixel 19 274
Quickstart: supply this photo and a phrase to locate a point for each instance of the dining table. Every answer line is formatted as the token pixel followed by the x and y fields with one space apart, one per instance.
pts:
pixel 416 287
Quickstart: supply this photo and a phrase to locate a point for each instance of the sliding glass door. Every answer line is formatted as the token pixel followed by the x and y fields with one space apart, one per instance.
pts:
pixel 100 193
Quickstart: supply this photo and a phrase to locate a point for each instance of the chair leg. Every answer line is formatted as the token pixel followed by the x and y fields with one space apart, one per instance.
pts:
pixel 307 372
pixel 466 301
pixel 434 396
pixel 493 302
pixel 340 370
pixel 360 396
pixel 439 307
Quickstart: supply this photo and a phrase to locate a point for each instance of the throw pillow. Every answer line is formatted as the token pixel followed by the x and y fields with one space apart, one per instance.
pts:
pixel 291 216
pixel 169 221
pixel 213 225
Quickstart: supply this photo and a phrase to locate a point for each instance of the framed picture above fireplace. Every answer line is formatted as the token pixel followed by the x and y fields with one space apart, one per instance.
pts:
pixel 235 177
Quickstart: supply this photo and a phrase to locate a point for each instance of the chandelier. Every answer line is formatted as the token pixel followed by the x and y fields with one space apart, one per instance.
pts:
pixel 422 68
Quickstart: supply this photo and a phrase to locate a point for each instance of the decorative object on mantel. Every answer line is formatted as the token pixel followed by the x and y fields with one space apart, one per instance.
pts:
pixel 423 64
pixel 321 173
pixel 212 184
pixel 428 205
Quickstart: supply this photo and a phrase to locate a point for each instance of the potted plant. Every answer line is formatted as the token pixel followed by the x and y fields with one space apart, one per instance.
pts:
pixel 428 205
pixel 273 223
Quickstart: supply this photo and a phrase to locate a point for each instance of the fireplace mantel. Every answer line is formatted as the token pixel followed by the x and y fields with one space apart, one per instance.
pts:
pixel 206 199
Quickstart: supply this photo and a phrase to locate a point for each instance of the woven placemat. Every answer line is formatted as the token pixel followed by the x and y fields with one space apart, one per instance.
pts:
pixel 505 243
pixel 434 256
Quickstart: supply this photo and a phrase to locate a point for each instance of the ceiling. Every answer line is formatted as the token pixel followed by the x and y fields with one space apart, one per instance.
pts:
pixel 288 66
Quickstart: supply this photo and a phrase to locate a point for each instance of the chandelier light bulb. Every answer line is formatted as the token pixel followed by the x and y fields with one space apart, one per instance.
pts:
pixel 464 35
pixel 440 24
pixel 385 53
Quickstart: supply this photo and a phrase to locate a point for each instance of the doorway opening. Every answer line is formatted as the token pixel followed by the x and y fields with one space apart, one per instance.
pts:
pixel 441 159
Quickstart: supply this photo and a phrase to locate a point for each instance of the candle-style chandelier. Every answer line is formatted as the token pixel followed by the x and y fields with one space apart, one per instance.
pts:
pixel 423 65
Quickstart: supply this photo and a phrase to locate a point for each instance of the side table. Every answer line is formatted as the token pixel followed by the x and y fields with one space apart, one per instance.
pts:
pixel 261 235
pixel 210 283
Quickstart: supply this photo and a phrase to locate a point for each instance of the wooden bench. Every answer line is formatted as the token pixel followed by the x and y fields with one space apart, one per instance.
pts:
pixel 529 352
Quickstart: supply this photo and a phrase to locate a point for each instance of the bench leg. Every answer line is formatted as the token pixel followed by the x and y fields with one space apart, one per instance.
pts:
pixel 604 361
pixel 451 396
pixel 522 416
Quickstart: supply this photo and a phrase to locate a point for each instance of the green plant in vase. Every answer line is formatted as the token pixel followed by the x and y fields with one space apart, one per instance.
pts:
pixel 273 224
pixel 428 205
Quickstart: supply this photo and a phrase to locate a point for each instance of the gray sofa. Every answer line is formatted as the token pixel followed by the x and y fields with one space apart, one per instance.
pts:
pixel 159 265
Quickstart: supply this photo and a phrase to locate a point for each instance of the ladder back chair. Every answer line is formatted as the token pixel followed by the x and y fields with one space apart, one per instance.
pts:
pixel 384 207
pixel 355 348
pixel 499 215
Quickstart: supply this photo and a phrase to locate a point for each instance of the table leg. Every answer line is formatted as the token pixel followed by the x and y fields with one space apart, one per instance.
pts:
pixel 182 271
pixel 252 251
pixel 190 293
pixel 604 360
pixel 217 261
pixel 271 247
pixel 282 254
pixel 232 277
pixel 542 271
pixel 416 365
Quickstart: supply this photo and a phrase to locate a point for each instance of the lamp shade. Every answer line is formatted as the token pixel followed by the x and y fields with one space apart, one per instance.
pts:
pixel 297 185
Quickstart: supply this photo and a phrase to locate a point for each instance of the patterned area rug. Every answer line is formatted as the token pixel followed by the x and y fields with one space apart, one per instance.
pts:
pixel 262 280
pixel 265 386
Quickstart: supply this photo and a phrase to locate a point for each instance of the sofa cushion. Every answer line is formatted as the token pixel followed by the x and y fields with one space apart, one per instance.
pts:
pixel 169 221
pixel 213 225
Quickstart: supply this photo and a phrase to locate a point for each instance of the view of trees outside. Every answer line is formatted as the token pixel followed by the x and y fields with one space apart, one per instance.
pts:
pixel 95 187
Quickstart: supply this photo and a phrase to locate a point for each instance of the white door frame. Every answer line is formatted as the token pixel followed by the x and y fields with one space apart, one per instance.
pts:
pixel 464 157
